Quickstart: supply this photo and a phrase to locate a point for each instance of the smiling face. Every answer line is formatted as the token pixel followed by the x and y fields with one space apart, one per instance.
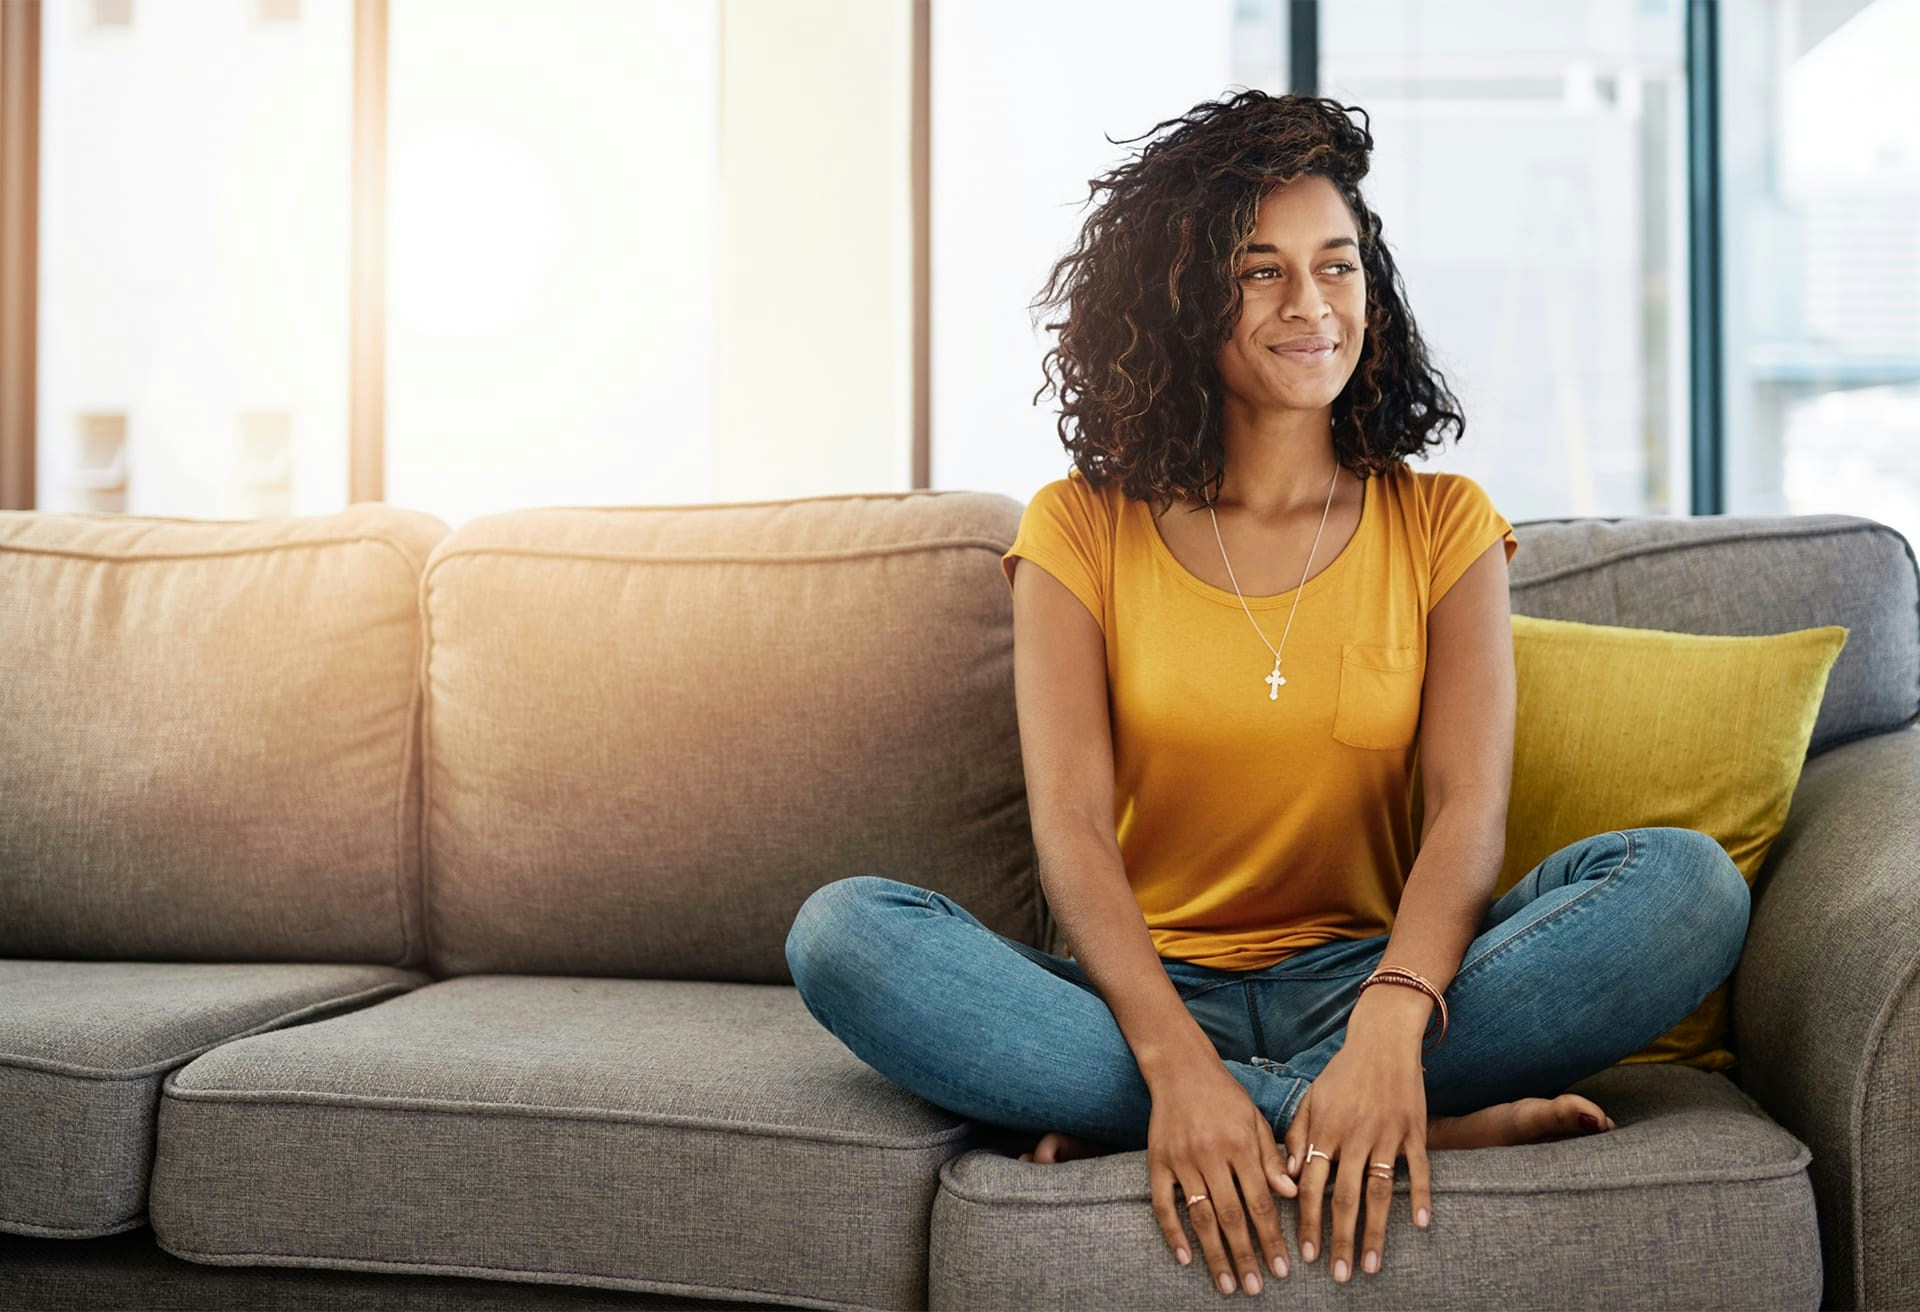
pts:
pixel 1300 279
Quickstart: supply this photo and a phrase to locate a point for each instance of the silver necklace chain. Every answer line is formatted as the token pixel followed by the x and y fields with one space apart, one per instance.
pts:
pixel 1275 679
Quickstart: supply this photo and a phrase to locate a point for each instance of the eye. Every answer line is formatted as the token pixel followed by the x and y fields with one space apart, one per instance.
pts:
pixel 1254 275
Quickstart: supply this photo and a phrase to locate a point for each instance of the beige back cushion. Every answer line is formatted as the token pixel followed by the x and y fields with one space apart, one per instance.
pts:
pixel 208 746
pixel 651 732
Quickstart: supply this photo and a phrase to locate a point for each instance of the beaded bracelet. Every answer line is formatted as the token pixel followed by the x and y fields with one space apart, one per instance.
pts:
pixel 1412 979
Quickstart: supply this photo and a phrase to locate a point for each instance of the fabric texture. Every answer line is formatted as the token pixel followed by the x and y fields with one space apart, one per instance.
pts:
pixel 83 1047
pixel 209 734
pixel 1622 727
pixel 130 1270
pixel 651 732
pixel 1695 1200
pixel 1257 820
pixel 684 1136
pixel 1826 1007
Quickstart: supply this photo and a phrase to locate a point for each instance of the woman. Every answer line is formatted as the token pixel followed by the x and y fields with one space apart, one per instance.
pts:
pixel 1262 951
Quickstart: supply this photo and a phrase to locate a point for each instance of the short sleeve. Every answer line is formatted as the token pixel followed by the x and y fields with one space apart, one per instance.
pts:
pixel 1064 531
pixel 1462 523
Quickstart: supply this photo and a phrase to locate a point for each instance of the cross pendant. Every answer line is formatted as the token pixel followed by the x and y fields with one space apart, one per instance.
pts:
pixel 1273 682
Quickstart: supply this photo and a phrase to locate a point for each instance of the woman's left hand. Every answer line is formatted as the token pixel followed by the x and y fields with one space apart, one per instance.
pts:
pixel 1369 1105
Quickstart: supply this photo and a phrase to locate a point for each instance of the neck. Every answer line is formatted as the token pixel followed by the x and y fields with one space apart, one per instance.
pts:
pixel 1278 462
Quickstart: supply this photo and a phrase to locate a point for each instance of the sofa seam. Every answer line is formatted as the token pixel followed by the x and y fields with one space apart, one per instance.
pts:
pixel 612 557
pixel 406 751
pixel 260 548
pixel 37 1230
pixel 322 1262
pixel 424 674
pixel 531 1111
pixel 1729 1175
pixel 165 1064
pixel 402 864
pixel 902 494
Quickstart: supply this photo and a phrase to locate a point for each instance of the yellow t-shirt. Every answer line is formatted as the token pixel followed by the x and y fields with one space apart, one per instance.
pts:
pixel 1256 820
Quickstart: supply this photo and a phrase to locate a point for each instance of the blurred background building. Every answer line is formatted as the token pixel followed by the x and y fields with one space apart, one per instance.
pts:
pixel 473 255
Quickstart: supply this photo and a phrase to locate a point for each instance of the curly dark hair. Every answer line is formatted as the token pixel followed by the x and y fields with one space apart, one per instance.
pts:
pixel 1151 296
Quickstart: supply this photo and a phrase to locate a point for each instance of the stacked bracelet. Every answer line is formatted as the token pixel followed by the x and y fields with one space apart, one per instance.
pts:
pixel 1414 980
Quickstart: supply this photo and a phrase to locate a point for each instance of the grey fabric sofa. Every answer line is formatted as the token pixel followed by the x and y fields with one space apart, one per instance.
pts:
pixel 395 915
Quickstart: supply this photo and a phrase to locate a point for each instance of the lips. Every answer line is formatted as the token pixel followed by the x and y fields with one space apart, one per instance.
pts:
pixel 1304 354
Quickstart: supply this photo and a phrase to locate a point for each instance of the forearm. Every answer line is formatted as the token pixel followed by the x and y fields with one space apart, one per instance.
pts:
pixel 1087 890
pixel 1447 895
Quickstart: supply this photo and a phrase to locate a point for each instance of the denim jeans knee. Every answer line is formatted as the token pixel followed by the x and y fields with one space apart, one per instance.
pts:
pixel 1712 901
pixel 840 915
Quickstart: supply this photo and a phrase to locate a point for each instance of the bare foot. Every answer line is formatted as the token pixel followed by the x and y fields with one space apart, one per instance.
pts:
pixel 1058 1147
pixel 1527 1120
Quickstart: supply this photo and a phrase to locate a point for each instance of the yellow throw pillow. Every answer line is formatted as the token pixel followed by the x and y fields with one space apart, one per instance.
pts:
pixel 1625 728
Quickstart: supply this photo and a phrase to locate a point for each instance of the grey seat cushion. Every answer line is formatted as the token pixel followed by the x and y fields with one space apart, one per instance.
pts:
pixel 1695 1200
pixel 708 1139
pixel 83 1047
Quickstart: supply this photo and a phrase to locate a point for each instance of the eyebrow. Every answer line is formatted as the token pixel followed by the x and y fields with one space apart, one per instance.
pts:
pixel 1262 248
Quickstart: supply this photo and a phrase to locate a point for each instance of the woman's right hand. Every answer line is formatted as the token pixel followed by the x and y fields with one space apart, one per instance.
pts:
pixel 1207 1136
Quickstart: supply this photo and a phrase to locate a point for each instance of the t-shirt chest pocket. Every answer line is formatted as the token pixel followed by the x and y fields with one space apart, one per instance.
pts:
pixel 1379 701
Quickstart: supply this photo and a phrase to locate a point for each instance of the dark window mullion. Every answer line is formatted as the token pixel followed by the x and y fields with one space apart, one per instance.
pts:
pixel 1303 47
pixel 1707 432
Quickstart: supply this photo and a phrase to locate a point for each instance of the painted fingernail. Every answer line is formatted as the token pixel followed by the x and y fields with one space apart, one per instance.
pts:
pixel 1226 1283
pixel 1293 1162
pixel 1340 1269
pixel 1184 1256
pixel 1420 1217
pixel 1371 1262
pixel 1252 1281
pixel 1307 1250
pixel 1280 1266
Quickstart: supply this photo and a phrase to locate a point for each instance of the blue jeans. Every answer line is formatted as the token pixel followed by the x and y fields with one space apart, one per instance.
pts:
pixel 1599 950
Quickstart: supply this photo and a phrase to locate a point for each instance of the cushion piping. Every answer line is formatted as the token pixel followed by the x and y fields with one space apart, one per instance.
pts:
pixel 1780 1171
pixel 465 1107
pixel 166 1063
pixel 529 1275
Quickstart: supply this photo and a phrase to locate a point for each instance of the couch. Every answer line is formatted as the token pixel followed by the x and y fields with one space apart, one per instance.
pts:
pixel 391 914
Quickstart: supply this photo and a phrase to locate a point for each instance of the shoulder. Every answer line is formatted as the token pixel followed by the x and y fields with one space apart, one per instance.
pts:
pixel 1076 497
pixel 1435 484
pixel 1438 495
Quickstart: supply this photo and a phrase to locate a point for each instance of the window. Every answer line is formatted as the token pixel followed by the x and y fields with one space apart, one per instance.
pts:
pixel 1820 173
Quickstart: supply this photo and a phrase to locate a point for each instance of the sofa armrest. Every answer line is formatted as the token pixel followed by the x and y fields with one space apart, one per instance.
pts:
pixel 1826 1007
